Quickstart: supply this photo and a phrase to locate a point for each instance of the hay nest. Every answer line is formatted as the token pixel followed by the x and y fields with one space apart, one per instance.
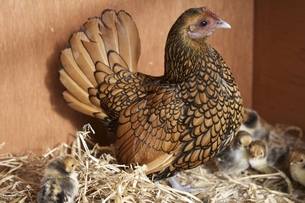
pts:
pixel 102 179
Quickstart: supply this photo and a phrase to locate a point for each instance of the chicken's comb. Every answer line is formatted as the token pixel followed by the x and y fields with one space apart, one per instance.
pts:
pixel 209 12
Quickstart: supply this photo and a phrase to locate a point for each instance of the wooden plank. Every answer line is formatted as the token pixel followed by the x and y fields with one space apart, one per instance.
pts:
pixel 33 114
pixel 279 56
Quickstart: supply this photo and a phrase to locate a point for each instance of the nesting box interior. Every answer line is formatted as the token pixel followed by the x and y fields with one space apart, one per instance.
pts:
pixel 264 48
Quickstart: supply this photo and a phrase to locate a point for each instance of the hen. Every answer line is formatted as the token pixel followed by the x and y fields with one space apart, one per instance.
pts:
pixel 170 123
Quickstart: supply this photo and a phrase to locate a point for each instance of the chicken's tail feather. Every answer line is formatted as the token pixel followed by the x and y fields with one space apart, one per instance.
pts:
pixel 106 45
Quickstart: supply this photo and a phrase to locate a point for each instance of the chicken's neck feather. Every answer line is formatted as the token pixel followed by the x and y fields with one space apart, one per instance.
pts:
pixel 184 58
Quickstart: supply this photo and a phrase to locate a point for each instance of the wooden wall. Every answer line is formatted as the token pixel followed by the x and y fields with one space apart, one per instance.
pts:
pixel 33 114
pixel 279 61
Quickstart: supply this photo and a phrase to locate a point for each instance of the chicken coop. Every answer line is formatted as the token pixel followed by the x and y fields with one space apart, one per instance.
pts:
pixel 265 50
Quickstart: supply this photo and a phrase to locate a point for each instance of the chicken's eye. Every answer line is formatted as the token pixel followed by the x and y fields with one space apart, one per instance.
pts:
pixel 203 23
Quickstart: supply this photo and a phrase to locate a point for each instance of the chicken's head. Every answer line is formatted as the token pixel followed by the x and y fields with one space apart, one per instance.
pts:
pixel 258 149
pixel 199 23
pixel 243 139
pixel 297 157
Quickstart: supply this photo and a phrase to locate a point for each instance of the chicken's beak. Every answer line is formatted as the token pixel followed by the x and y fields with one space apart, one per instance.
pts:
pixel 223 24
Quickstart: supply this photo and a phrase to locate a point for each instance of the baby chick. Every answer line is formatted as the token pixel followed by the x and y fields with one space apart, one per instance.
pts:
pixel 235 159
pixel 297 165
pixel 258 157
pixel 255 125
pixel 59 184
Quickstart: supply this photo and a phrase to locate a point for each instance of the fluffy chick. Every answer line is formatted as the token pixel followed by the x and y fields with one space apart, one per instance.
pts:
pixel 235 159
pixel 297 165
pixel 59 184
pixel 255 125
pixel 258 157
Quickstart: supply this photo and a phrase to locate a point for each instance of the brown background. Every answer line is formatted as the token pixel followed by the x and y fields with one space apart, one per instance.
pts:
pixel 33 114
pixel 279 61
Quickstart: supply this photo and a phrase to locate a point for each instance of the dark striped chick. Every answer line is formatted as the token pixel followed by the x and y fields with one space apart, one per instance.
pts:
pixel 59 184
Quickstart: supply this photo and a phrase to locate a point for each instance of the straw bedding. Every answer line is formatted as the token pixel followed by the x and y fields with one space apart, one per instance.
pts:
pixel 103 180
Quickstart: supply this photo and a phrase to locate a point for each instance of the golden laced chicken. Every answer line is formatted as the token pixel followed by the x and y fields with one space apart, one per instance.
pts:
pixel 170 123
